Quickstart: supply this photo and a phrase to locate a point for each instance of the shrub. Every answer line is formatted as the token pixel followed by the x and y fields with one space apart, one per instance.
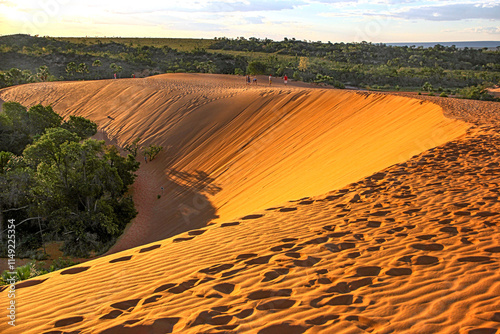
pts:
pixel 152 151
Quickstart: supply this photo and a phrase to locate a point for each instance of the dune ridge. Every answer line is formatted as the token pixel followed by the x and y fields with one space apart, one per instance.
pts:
pixel 226 142
pixel 413 248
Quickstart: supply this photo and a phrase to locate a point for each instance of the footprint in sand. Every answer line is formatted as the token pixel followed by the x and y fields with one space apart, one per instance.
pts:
pixel 225 288
pixel 111 315
pixel 182 239
pixel 29 283
pixel 74 270
pixel 68 321
pixel 212 317
pixel 216 269
pixel 449 229
pixel 373 224
pixel 196 232
pixel 287 209
pixel 121 259
pixel 147 249
pixel 274 274
pixel 246 256
pixel 264 294
pixel 309 262
pixel 127 305
pixel 289 240
pixel 346 299
pixel 182 287
pixel 322 320
pixel 482 331
pixel 259 260
pixel 294 255
pixel 428 247
pixel 399 271
pixel 426 236
pixel 315 241
pixel 368 271
pixel 282 247
pixel 152 299
pixel 229 224
pixel 338 234
pixel 164 287
pixel 277 304
pixel 252 217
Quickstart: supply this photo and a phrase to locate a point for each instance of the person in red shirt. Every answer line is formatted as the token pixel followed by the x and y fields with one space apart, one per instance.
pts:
pixel 285 79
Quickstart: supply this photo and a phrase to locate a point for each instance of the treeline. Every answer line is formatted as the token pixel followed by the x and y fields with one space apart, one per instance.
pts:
pixel 57 184
pixel 372 65
pixel 77 61
pixel 451 58
pixel 24 58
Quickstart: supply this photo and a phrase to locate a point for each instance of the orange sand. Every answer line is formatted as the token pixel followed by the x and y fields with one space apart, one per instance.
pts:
pixel 235 149
pixel 407 245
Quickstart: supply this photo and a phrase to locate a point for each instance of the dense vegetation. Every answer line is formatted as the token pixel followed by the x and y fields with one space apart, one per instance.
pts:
pixel 76 61
pixel 57 184
pixel 366 64
pixel 25 58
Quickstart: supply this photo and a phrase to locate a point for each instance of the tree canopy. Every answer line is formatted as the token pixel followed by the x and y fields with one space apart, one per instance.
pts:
pixel 59 184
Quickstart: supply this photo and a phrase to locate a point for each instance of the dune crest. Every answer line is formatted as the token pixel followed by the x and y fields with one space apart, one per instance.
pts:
pixel 410 247
pixel 233 149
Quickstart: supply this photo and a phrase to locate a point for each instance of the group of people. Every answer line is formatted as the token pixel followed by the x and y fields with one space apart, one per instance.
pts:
pixel 254 80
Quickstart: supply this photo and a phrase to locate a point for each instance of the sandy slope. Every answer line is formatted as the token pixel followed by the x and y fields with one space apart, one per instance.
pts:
pixel 234 149
pixel 412 248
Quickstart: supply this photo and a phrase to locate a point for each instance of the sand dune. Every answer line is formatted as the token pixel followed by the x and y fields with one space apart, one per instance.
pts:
pixel 234 149
pixel 410 247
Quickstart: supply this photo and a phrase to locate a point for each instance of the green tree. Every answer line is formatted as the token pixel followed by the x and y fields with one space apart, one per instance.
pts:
pixel 82 69
pixel 97 63
pixel 427 87
pixel 303 64
pixel 80 187
pixel 71 68
pixel 42 118
pixel 152 151
pixel 81 126
pixel 133 147
pixel 43 73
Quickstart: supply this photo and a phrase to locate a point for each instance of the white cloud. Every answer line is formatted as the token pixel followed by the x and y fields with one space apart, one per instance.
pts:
pixel 452 12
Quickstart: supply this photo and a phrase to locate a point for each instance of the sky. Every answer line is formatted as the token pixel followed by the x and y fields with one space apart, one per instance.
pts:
pixel 316 20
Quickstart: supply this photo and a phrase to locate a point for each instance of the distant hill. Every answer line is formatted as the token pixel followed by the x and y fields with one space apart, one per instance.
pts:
pixel 461 45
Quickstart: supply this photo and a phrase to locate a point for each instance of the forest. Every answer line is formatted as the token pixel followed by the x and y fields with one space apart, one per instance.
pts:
pixel 445 69
pixel 58 184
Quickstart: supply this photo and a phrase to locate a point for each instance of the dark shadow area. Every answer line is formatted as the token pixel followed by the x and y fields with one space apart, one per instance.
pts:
pixel 168 205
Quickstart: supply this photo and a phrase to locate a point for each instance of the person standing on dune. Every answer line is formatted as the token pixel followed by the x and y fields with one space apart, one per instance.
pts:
pixel 285 79
pixel 270 80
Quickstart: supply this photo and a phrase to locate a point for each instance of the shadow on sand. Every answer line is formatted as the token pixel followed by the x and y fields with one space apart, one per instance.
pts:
pixel 168 204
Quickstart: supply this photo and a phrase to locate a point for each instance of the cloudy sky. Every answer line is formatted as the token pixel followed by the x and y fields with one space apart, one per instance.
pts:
pixel 318 20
